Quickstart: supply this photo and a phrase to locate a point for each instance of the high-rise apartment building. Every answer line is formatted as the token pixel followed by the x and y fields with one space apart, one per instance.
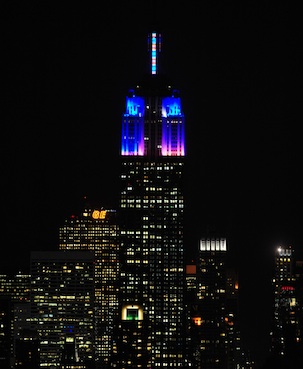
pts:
pixel 150 330
pixel 97 230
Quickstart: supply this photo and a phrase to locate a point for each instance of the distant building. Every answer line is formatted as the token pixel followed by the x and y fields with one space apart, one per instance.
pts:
pixel 62 303
pixel 211 320
pixel 284 301
pixel 299 294
pixel 213 308
pixel 287 310
pixel 21 338
pixel 96 229
pixel 5 331
pixel 25 338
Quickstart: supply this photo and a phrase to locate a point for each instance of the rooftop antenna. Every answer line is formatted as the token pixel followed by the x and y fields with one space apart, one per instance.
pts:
pixel 154 47
pixel 154 38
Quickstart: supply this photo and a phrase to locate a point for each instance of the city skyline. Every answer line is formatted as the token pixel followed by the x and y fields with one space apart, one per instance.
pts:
pixel 249 197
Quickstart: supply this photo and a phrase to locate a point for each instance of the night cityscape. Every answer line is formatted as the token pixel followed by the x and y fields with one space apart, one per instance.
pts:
pixel 151 187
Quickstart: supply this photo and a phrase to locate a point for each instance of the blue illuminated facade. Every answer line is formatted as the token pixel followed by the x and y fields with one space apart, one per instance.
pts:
pixel 173 132
pixel 133 127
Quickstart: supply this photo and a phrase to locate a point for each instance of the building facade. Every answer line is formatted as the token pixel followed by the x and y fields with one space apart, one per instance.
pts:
pixel 287 328
pixel 211 297
pixel 62 304
pixel 212 290
pixel 96 230
pixel 18 344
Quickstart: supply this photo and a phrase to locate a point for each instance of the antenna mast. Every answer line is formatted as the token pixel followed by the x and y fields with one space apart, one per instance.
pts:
pixel 154 47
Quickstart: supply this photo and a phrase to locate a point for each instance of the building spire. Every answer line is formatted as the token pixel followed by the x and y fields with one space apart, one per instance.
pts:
pixel 154 47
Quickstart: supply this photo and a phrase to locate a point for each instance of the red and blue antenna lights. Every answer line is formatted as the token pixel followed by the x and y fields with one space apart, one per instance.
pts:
pixel 155 48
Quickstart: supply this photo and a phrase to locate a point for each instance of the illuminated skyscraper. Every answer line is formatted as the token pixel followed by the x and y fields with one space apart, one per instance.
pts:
pixel 151 327
pixel 97 230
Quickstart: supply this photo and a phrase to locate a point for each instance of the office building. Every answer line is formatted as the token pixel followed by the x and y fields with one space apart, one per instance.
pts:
pixel 211 321
pixel 20 340
pixel 212 303
pixel 62 303
pixel 5 331
pixel 152 315
pixel 287 324
pixel 96 229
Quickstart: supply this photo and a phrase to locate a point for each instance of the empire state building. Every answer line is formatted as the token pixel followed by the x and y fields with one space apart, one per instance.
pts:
pixel 151 323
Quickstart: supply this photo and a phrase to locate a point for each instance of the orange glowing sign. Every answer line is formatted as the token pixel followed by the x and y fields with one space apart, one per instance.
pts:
pixel 99 214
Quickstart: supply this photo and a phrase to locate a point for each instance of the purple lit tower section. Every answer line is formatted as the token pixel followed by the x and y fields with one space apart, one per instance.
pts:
pixel 153 118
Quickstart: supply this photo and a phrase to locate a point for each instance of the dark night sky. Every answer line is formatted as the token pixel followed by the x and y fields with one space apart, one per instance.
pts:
pixel 66 72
